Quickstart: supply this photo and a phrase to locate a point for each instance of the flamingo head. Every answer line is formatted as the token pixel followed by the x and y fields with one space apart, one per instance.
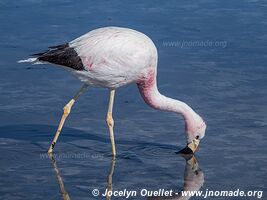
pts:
pixel 195 132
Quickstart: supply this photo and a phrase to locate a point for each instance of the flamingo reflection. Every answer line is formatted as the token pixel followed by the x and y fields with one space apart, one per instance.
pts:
pixel 193 180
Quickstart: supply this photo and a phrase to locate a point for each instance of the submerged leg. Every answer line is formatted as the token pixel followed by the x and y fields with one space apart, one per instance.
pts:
pixel 67 109
pixel 110 121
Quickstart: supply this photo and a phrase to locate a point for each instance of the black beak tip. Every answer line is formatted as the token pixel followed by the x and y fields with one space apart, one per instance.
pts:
pixel 186 150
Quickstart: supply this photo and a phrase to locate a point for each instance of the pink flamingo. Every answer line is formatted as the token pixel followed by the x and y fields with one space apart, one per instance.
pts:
pixel 112 57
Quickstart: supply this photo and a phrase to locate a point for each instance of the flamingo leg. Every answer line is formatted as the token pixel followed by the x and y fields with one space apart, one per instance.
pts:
pixel 110 121
pixel 66 112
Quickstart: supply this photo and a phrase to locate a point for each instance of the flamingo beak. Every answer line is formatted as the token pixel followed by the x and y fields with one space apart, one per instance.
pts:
pixel 191 147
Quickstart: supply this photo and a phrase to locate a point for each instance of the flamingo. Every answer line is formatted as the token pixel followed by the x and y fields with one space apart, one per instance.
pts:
pixel 112 57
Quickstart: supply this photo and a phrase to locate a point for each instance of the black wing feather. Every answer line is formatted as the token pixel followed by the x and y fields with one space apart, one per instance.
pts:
pixel 62 55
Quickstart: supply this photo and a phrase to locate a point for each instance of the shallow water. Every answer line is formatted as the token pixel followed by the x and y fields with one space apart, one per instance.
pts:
pixel 212 55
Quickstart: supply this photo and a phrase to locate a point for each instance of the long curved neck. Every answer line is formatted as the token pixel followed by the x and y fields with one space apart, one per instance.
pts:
pixel 151 95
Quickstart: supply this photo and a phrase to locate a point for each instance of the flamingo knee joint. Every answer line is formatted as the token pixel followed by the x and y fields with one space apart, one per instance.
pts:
pixel 67 107
pixel 110 120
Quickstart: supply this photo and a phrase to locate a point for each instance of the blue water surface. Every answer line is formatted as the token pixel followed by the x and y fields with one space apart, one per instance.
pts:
pixel 212 55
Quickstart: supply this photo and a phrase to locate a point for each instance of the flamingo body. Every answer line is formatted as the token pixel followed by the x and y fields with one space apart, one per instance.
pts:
pixel 113 57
